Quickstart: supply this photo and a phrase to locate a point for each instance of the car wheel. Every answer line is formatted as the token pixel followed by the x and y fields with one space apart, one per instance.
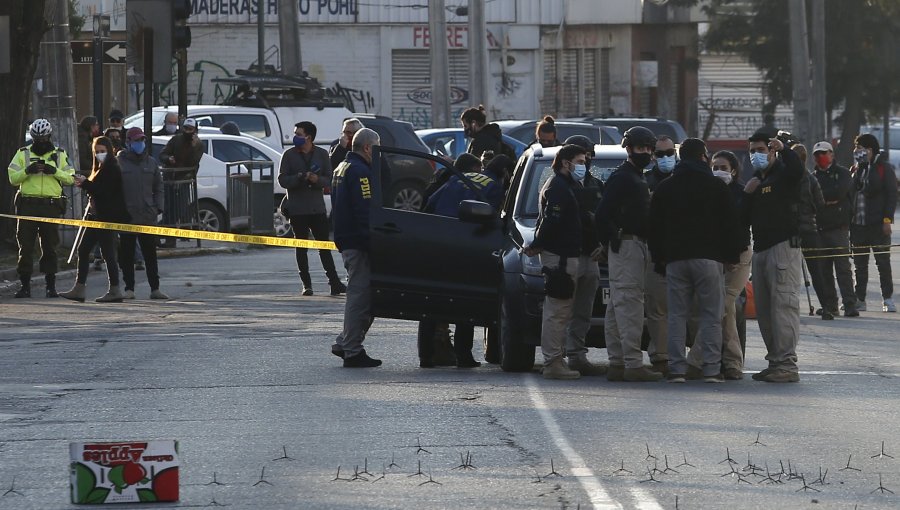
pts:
pixel 212 217
pixel 407 196
pixel 516 356
pixel 281 223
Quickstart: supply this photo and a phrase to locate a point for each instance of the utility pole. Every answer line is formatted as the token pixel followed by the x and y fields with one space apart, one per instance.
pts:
pixel 440 68
pixel 59 84
pixel 820 123
pixel 800 69
pixel 260 37
pixel 289 37
pixel 479 68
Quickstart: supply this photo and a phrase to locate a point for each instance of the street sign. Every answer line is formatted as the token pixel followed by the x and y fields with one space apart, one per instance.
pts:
pixel 113 52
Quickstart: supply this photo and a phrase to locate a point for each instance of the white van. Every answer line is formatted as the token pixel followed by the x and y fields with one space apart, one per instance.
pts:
pixel 273 126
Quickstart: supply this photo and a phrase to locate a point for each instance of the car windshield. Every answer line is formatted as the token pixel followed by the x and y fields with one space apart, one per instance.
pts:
pixel 137 120
pixel 540 171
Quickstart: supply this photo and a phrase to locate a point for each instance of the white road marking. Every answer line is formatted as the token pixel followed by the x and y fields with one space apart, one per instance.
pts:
pixel 643 500
pixel 599 498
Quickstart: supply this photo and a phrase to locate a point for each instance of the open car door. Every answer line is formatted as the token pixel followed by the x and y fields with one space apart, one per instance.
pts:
pixel 426 265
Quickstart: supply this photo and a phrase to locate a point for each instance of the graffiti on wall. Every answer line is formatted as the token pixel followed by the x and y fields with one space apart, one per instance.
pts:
pixel 420 116
pixel 356 100
pixel 508 86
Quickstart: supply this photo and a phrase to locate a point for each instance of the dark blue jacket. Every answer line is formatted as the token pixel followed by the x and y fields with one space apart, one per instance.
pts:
pixel 558 228
pixel 351 198
pixel 773 209
pixel 879 184
pixel 445 201
pixel 625 204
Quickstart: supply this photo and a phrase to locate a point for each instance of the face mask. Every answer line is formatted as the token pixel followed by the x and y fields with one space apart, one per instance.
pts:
pixel 101 156
pixel 299 141
pixel 759 160
pixel 861 156
pixel 641 159
pixel 188 135
pixel 722 174
pixel 138 147
pixel 578 172
pixel 823 161
pixel 171 128
pixel 42 147
pixel 666 164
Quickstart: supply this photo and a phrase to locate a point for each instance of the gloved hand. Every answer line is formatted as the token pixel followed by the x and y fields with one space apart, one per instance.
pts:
pixel 34 168
pixel 49 170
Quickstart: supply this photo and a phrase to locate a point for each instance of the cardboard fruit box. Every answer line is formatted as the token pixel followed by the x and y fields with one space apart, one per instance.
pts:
pixel 134 472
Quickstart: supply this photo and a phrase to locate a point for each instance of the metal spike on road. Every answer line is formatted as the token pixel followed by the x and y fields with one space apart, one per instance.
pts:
pixel 365 470
pixel 419 448
pixel 430 480
pixel 728 458
pixel 418 471
pixel 757 443
pixel 651 479
pixel 685 462
pixel 882 454
pixel 214 481
pixel 12 489
pixel 393 464
pixel 821 479
pixel 358 476
pixel 622 471
pixel 383 474
pixel 552 470
pixel 806 488
pixel 284 456
pixel 215 503
pixel 650 455
pixel 664 471
pixel 338 476
pixel 881 488
pixel 262 477
pixel 845 468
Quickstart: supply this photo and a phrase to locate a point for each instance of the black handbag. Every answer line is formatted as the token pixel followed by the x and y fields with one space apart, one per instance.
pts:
pixel 558 284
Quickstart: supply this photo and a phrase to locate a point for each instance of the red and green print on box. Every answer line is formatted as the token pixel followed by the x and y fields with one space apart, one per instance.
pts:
pixel 134 472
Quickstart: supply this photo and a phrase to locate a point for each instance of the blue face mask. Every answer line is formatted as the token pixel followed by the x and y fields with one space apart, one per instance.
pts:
pixel 299 141
pixel 666 164
pixel 578 172
pixel 759 160
pixel 138 147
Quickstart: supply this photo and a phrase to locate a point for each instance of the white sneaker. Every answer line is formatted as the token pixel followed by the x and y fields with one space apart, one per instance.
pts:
pixel 158 294
pixel 128 294
pixel 889 305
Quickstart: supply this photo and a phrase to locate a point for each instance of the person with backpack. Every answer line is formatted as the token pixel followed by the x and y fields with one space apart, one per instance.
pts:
pixel 874 203
pixel 485 137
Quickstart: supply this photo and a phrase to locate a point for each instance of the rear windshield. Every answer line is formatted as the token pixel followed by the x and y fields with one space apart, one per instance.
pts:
pixel 540 171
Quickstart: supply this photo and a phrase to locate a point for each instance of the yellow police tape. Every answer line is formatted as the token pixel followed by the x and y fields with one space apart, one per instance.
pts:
pixel 183 233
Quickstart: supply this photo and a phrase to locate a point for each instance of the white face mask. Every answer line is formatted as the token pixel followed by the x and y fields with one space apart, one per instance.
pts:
pixel 171 128
pixel 724 175
pixel 101 156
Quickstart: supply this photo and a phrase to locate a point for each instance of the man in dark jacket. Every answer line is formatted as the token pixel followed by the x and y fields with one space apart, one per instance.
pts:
pixel 465 163
pixel 833 221
pixel 142 187
pixel 341 146
pixel 811 202
pixel 693 232
pixel 445 201
pixel 351 195
pixel 588 191
pixel 170 125
pixel 485 137
pixel 875 202
pixel 771 205
pixel 557 239
pixel 655 306
pixel 305 171
pixel 622 226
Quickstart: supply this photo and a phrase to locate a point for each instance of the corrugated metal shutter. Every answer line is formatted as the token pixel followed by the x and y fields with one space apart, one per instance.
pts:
pixel 411 85
pixel 733 88
pixel 550 99
pixel 571 81
pixel 591 95
pixel 604 81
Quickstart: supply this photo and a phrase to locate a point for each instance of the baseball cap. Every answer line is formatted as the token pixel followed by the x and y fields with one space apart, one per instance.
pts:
pixel 822 147
pixel 116 115
pixel 134 133
pixel 190 123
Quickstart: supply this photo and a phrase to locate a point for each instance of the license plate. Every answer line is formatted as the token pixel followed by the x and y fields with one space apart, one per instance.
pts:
pixel 604 296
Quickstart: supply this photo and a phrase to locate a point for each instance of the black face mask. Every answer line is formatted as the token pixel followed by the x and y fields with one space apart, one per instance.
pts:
pixel 188 135
pixel 641 159
pixel 41 147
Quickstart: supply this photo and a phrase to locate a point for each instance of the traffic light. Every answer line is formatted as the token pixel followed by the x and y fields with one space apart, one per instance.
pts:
pixel 181 33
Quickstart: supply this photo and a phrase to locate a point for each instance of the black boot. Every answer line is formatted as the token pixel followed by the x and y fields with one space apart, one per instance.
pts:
pixel 307 284
pixel 50 280
pixel 337 287
pixel 25 291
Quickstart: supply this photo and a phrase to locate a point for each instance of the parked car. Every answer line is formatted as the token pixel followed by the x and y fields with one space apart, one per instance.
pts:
pixel 476 272
pixel 451 142
pixel 894 150
pixel 659 126
pixel 274 126
pixel 409 175
pixel 523 130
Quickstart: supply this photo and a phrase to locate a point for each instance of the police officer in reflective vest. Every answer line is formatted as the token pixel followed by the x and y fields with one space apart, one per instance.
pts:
pixel 40 170
pixel 622 225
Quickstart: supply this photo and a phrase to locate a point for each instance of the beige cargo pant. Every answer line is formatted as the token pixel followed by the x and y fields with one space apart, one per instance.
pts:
pixel 776 278
pixel 557 313
pixel 625 311
pixel 657 311
pixel 735 281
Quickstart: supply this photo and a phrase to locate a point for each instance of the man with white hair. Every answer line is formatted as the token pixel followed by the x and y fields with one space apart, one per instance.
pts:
pixel 342 146
pixel 351 195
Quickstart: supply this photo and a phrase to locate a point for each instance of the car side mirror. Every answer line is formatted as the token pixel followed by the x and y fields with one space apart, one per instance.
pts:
pixel 473 211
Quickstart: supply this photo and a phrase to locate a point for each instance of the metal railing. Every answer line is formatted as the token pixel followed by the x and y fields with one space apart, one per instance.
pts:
pixel 181 209
pixel 251 194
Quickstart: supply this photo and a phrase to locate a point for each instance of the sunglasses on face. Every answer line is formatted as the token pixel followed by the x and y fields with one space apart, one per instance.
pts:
pixel 662 154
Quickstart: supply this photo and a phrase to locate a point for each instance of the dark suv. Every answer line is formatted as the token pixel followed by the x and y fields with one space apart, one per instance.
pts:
pixel 670 128
pixel 471 269
pixel 410 176
pixel 523 130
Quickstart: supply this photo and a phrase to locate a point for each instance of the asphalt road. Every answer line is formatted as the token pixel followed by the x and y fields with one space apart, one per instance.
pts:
pixel 237 368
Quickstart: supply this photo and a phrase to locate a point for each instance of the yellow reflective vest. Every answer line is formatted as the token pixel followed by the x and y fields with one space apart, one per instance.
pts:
pixel 41 185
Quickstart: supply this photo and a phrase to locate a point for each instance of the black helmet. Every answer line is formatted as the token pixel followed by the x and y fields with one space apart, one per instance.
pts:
pixel 583 142
pixel 639 136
